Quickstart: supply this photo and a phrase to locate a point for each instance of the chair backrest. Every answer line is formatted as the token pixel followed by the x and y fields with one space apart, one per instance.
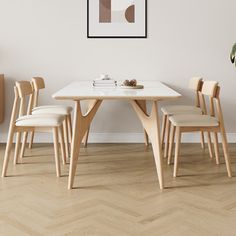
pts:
pixel 24 88
pixel 38 83
pixel 24 94
pixel 211 89
pixel 195 84
pixel 15 108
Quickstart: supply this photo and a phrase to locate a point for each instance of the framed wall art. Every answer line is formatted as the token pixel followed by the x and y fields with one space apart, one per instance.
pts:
pixel 117 18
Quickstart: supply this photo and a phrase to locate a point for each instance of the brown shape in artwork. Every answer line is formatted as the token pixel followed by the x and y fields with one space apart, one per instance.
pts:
pixel 105 11
pixel 130 14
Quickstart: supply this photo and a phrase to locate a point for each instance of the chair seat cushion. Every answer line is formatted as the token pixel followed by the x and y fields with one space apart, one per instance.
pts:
pixel 40 120
pixel 180 109
pixel 57 109
pixel 191 120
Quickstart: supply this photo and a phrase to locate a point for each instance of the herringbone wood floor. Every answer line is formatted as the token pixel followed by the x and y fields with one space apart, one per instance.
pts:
pixel 118 194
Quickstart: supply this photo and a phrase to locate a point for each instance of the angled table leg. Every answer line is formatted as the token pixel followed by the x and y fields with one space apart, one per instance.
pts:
pixel 143 106
pixel 80 126
pixel 152 127
pixel 85 138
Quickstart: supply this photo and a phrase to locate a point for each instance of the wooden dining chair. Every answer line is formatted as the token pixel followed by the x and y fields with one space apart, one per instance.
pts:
pixel 22 121
pixel 39 84
pixel 212 123
pixel 195 84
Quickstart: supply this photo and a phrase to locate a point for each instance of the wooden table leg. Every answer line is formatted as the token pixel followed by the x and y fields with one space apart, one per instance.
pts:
pixel 85 138
pixel 152 126
pixel 80 126
pixel 143 106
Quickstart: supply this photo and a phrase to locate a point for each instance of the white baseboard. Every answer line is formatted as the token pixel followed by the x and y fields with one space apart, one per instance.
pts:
pixel 120 138
pixel 139 138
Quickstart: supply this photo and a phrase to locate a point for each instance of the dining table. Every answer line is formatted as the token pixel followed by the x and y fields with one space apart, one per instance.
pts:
pixel 153 92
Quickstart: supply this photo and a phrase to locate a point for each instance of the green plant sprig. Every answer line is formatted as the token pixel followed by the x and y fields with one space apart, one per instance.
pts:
pixel 233 54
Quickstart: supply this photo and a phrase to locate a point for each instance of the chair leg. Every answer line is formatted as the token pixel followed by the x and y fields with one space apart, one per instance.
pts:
pixel 202 140
pixel 177 148
pixel 31 139
pixel 65 130
pixel 69 121
pixel 17 148
pixel 209 144
pixel 167 137
pixel 62 143
pixel 55 138
pixel 172 137
pixel 163 130
pixel 25 136
pixel 216 148
pixel 7 152
pixel 226 153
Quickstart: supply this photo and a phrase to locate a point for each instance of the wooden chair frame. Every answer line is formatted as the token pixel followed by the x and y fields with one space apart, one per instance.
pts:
pixel 38 84
pixel 215 111
pixel 166 127
pixel 22 90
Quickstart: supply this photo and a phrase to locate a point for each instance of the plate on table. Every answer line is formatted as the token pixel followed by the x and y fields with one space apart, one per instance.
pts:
pixel 139 86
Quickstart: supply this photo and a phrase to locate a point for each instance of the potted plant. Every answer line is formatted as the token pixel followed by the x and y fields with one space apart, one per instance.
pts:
pixel 233 54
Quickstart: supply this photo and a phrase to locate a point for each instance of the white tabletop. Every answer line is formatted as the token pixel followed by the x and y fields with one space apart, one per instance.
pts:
pixel 83 90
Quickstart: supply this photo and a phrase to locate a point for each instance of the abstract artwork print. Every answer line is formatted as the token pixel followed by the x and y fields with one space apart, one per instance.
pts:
pixel 117 18
pixel 116 11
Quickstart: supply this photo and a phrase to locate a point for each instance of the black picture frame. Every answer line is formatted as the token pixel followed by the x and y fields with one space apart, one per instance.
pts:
pixel 115 37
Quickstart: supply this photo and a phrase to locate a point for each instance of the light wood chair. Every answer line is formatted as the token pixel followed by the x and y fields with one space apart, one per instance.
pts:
pixel 212 123
pixel 36 123
pixel 195 84
pixel 39 84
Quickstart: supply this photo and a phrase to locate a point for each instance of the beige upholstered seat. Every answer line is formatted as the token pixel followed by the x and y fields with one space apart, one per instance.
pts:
pixel 57 109
pixel 190 120
pixel 180 109
pixel 45 120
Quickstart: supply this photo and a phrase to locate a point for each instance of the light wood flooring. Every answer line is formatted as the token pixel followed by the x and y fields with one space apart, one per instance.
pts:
pixel 117 194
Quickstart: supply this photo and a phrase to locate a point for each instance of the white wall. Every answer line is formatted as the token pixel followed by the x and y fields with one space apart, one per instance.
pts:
pixel 185 38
